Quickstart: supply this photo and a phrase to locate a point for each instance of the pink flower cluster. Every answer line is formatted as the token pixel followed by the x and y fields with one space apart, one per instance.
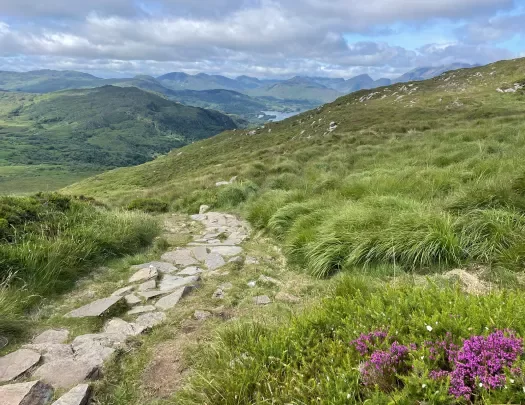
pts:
pixel 384 366
pixel 366 343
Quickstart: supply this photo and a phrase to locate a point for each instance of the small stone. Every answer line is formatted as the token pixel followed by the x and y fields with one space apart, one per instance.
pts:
pixel 269 280
pixel 132 299
pixel 201 315
pixel 170 283
pixel 182 257
pixel 149 320
pixel 252 284
pixel 144 275
pixel 96 308
pixel 285 297
pixel 162 267
pixel 148 285
pixel 227 250
pixel 214 261
pixel 204 209
pixel 122 291
pixel 226 286
pixel 141 310
pixel 52 336
pixel 190 271
pixel 77 396
pixel 171 300
pixel 17 363
pixel 218 294
pixel 261 300
pixel 67 373
pixel 29 393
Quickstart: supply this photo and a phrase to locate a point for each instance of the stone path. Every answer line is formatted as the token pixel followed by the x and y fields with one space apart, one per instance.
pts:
pixel 155 287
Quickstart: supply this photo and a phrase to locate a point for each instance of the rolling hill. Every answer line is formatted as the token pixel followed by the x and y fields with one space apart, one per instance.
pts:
pixel 96 129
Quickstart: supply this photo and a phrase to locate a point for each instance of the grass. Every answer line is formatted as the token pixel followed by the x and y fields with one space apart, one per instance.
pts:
pixel 309 359
pixel 48 241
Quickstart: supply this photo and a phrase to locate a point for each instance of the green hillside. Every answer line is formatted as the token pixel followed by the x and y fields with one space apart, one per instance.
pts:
pixel 45 81
pixel 94 129
pixel 421 173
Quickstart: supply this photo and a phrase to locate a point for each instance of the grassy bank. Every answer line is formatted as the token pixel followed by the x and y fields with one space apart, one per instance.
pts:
pixel 371 343
pixel 48 241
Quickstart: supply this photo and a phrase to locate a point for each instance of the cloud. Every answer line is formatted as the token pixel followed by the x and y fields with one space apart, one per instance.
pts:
pixel 495 29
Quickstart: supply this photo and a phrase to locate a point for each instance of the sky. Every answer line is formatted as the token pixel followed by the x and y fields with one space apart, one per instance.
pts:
pixel 262 38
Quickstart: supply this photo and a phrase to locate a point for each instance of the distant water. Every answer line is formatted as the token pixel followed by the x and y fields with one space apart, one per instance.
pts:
pixel 279 116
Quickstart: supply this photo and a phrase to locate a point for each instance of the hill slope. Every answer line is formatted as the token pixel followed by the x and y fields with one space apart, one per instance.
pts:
pixel 423 169
pixel 98 128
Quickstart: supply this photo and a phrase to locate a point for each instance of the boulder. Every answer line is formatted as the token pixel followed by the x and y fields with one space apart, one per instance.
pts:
pixel 171 300
pixel 29 393
pixel 17 363
pixel 52 336
pixel 96 308
pixel 77 396
pixel 145 274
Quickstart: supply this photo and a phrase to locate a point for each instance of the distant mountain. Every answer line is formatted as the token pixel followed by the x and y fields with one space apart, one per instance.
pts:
pixel 298 88
pixel 46 81
pixel 425 73
pixel 105 127
pixel 201 81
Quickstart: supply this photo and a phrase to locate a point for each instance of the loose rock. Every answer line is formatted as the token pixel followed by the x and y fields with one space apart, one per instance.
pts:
pixel 171 300
pixel 77 396
pixel 170 283
pixel 119 326
pixel 132 299
pixel 262 300
pixel 201 315
pixel 122 291
pixel 148 321
pixel 17 363
pixel 144 275
pixel 148 285
pixel 29 393
pixel 96 308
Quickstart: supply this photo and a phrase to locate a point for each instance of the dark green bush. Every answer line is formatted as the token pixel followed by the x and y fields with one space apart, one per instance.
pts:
pixel 151 205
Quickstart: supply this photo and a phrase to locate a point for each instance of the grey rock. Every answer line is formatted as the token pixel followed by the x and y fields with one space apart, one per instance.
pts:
pixel 190 271
pixel 67 373
pixel 153 294
pixel 204 209
pixel 141 310
pixel 262 300
pixel 269 280
pixel 120 327
pixel 77 396
pixel 200 252
pixel 182 257
pixel 237 260
pixel 145 274
pixel 198 217
pixel 96 351
pixel 96 308
pixel 51 351
pixel 122 291
pixel 170 283
pixel 17 363
pixel 52 336
pixel 285 297
pixel 29 393
pixel 148 285
pixel 218 294
pixel 201 315
pixel 162 267
pixel 227 250
pixel 149 320
pixel 132 299
pixel 171 300
pixel 214 261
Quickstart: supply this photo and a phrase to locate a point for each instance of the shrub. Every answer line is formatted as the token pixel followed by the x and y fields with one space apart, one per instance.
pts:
pixel 150 205
pixel 233 195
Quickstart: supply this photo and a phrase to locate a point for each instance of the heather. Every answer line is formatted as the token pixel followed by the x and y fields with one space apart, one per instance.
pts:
pixel 371 341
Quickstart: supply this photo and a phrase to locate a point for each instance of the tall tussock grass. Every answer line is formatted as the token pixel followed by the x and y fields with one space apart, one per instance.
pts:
pixel 47 247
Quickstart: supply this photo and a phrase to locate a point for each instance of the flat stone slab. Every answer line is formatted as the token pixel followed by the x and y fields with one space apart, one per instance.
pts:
pixel 52 336
pixel 51 351
pixel 227 250
pixel 66 373
pixel 17 363
pixel 262 300
pixel 132 299
pixel 214 261
pixel 170 283
pixel 141 310
pixel 148 285
pixel 29 393
pixel 153 294
pixel 171 300
pixel 190 271
pixel 77 396
pixel 96 308
pixel 200 252
pixel 149 320
pixel 145 274
pixel 162 267
pixel 121 292
pixel 182 257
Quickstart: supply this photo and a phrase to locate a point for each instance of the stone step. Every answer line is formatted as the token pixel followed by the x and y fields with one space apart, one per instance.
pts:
pixel 96 308
pixel 17 364
pixel 29 393
pixel 77 396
